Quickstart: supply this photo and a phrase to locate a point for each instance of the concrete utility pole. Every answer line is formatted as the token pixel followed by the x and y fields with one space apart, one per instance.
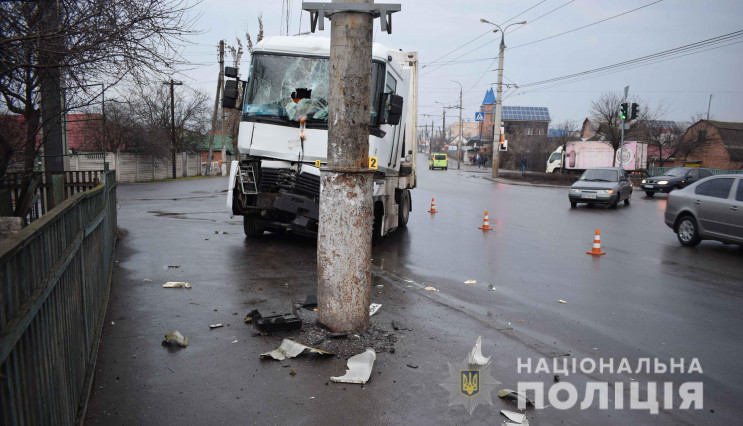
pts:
pixel 220 83
pixel 443 133
pixel 498 100
pixel 224 140
pixel 346 207
pixel 459 142
pixel 172 121
pixel 51 91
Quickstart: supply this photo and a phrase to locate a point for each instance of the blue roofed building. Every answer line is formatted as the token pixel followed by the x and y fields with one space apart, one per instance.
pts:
pixel 517 120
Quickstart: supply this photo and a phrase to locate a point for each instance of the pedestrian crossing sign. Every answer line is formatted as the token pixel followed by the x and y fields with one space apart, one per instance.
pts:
pixel 479 116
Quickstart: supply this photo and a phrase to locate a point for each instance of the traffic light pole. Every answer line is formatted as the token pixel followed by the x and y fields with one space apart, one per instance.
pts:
pixel 621 143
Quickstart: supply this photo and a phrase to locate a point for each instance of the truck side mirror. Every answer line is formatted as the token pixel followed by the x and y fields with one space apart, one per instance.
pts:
pixel 394 108
pixel 230 72
pixel 229 97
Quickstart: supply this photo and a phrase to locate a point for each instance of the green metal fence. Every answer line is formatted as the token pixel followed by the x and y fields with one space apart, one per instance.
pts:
pixel 658 171
pixel 55 277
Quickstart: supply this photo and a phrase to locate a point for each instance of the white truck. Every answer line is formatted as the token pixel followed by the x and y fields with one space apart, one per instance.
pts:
pixel 578 156
pixel 283 135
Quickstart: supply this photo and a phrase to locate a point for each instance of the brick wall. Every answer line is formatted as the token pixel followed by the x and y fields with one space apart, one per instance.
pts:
pixel 713 154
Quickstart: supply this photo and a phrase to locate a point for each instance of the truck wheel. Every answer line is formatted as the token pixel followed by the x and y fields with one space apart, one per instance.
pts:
pixel 687 231
pixel 251 229
pixel 649 193
pixel 404 209
pixel 377 224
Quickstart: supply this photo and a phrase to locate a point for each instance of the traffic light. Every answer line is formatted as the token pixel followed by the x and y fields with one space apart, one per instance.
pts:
pixel 635 109
pixel 623 111
pixel 503 145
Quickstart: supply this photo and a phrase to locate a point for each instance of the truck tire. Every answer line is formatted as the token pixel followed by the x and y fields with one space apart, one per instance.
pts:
pixel 251 229
pixel 404 209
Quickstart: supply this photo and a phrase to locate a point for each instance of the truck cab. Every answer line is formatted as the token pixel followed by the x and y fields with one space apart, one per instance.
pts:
pixel 283 137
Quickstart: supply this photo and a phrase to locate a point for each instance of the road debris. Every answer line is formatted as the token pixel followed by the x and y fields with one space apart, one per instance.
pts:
pixel 213 326
pixel 310 302
pixel 413 365
pixel 253 315
pixel 359 368
pixel 475 356
pixel 290 349
pixel 174 266
pixel 282 322
pixel 234 341
pixel 175 337
pixel 293 372
pixel 490 287
pixel 429 288
pixel 562 301
pixel 147 280
pixel 514 416
pixel 374 308
pixel 177 284
pixel 470 282
pixel 520 399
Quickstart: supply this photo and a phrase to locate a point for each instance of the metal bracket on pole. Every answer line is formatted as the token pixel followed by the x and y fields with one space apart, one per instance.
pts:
pixel 318 12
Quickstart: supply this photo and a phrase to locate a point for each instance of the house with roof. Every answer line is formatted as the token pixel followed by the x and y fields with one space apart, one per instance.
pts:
pixel 713 144
pixel 522 120
pixel 202 148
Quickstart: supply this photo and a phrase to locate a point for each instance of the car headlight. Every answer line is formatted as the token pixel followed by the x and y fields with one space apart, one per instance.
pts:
pixel 574 191
pixel 663 182
pixel 605 191
pixel 643 181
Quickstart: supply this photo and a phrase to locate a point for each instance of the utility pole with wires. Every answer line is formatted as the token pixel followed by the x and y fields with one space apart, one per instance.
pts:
pixel 172 121
pixel 220 83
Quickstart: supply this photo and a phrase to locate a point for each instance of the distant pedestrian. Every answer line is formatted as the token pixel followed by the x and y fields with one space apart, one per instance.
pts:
pixel 479 161
pixel 523 164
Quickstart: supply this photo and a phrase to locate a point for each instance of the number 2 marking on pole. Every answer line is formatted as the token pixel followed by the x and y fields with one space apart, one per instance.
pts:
pixel 373 163
pixel 317 163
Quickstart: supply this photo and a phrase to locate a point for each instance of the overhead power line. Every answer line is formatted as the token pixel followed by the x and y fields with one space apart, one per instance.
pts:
pixel 586 26
pixel 666 54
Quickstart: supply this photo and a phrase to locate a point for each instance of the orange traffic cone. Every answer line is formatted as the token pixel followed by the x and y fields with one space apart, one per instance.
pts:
pixel 433 207
pixel 596 245
pixel 485 223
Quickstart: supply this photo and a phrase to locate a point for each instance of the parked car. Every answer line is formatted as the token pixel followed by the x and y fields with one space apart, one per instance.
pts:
pixel 676 178
pixel 438 161
pixel 605 185
pixel 710 209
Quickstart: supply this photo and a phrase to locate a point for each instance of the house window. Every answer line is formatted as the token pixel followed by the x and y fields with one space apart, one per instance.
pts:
pixel 528 130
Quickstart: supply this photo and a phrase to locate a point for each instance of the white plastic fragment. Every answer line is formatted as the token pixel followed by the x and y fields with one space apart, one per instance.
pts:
pixel 359 368
pixel 475 356
pixel 562 301
pixel 374 308
pixel 177 338
pixel 215 325
pixel 470 282
pixel 514 416
pixel 289 349
pixel 429 288
pixel 176 284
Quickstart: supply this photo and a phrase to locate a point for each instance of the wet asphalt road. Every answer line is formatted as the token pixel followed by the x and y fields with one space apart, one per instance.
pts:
pixel 648 297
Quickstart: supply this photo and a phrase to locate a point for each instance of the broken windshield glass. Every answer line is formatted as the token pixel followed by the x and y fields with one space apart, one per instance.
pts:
pixel 292 87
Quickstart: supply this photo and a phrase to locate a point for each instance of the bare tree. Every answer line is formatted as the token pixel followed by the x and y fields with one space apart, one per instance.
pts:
pixel 140 121
pixel 605 110
pixel 93 41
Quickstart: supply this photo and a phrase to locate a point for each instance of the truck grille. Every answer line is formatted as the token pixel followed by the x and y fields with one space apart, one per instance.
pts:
pixel 275 179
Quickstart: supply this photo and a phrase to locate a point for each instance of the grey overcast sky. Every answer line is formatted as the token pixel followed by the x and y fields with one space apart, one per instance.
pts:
pixel 454 45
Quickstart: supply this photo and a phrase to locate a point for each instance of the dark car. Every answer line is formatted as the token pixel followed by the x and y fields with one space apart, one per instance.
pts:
pixel 676 178
pixel 710 209
pixel 606 185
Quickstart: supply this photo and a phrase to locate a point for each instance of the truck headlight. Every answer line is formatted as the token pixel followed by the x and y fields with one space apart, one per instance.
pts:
pixel 663 182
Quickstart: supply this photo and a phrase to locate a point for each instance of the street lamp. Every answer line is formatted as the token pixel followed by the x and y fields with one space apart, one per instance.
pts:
pixel 459 142
pixel 498 106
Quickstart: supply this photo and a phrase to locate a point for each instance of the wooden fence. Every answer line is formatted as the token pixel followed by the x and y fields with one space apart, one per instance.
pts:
pixel 55 276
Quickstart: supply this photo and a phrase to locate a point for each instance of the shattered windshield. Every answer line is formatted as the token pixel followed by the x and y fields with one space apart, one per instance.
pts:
pixel 292 87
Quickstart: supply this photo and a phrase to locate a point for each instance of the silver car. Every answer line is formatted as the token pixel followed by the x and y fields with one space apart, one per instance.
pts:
pixel 605 185
pixel 710 209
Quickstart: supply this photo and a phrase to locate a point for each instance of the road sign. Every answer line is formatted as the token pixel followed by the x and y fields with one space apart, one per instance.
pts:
pixel 479 116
